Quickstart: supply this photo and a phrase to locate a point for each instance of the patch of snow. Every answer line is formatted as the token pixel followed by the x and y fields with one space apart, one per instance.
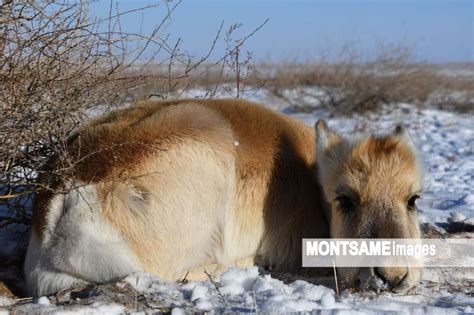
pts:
pixel 236 281
pixel 457 217
pixel 199 293
pixel 4 301
pixel 94 308
pixel 246 290
pixel 43 301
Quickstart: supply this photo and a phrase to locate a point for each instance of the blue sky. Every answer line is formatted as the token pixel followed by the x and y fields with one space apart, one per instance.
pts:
pixel 440 31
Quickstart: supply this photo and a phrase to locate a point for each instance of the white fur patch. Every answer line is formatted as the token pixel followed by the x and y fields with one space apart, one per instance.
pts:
pixel 78 246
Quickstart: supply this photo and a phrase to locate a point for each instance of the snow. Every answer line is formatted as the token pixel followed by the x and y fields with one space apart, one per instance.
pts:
pixel 177 311
pixel 457 217
pixel 4 301
pixel 248 290
pixel 446 144
pixel 94 308
pixel 242 289
pixel 43 301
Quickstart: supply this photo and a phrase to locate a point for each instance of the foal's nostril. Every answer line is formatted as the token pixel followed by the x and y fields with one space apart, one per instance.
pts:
pixel 376 281
pixel 389 277
pixel 399 279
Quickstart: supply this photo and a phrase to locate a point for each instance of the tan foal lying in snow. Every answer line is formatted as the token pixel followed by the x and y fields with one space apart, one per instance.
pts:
pixel 168 187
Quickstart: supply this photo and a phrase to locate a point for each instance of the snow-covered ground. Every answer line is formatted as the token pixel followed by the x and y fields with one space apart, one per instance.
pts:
pixel 446 143
pixel 245 291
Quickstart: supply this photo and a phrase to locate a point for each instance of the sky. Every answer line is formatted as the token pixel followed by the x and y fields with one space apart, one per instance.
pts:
pixel 438 31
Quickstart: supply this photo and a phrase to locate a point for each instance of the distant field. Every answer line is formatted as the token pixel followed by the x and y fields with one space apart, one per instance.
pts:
pixel 344 87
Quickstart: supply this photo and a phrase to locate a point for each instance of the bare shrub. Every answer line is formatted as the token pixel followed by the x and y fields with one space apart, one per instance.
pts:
pixel 455 87
pixel 57 64
pixel 53 64
pixel 233 74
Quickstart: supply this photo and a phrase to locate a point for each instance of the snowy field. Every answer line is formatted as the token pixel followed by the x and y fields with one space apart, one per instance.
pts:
pixel 446 142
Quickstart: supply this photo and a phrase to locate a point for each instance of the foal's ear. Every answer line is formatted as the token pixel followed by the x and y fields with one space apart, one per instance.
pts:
pixel 325 136
pixel 402 133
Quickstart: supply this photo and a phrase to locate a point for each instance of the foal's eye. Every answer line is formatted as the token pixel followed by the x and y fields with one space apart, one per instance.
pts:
pixel 346 203
pixel 411 204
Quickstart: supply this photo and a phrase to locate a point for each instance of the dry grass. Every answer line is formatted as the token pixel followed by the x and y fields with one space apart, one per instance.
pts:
pixel 391 76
